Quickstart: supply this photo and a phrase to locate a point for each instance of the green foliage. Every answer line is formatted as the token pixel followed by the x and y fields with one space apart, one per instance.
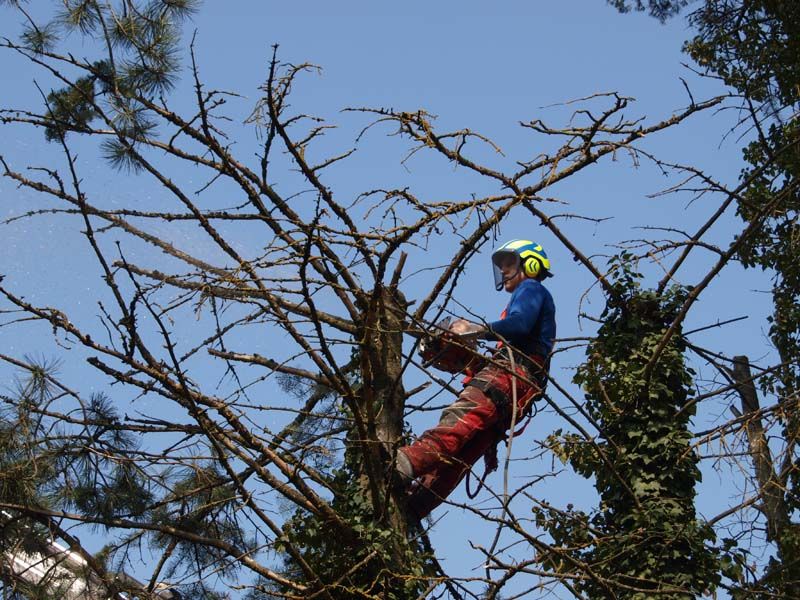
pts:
pixel 145 37
pixel 312 432
pixel 660 9
pixel 71 109
pixel 646 535
pixel 56 588
pixel 83 16
pixel 40 39
pixel 376 559
pixel 780 579
pixel 200 591
pixel 91 468
pixel 24 468
pixel 379 559
pixel 571 532
pixel 124 494
pixel 103 483
pixel 776 245
pixel 203 503
pixel 754 47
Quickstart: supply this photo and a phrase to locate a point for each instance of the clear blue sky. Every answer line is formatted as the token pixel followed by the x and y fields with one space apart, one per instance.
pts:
pixel 486 66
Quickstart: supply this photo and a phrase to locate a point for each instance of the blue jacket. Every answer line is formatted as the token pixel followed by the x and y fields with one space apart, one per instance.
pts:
pixel 529 324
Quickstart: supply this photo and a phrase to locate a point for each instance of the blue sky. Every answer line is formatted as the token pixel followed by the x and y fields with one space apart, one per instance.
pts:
pixel 486 66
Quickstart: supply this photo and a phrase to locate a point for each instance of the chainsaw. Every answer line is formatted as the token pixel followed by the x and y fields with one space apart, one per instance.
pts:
pixel 448 351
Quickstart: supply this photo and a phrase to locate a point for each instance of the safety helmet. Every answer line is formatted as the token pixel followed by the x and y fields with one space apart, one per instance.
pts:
pixel 532 260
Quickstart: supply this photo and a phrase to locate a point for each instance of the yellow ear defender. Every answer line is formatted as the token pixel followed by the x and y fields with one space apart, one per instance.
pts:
pixel 532 260
pixel 532 266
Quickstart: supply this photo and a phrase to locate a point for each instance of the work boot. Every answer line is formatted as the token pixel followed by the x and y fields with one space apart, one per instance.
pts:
pixel 400 472
pixel 421 499
pixel 403 468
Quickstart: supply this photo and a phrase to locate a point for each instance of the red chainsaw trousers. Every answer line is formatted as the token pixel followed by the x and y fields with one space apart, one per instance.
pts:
pixel 443 455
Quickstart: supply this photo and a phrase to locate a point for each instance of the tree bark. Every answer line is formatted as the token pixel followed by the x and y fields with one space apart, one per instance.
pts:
pixel 780 529
pixel 773 505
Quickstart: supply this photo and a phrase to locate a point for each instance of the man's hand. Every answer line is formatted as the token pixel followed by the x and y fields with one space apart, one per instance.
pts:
pixel 467 329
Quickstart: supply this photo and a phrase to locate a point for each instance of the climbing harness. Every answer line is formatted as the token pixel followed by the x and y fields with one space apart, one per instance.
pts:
pixel 502 402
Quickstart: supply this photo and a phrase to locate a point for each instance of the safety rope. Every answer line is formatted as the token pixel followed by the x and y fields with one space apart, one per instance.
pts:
pixel 490 457
pixel 509 443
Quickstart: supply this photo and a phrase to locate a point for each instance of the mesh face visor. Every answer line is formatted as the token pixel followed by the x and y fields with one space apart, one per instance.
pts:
pixel 499 258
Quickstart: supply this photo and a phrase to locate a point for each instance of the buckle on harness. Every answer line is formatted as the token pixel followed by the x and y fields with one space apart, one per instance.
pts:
pixel 500 400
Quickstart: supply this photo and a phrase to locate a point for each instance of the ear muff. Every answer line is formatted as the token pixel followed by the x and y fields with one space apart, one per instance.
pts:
pixel 532 266
pixel 533 261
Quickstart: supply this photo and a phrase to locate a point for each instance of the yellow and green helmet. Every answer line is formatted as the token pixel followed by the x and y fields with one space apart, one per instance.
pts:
pixel 532 260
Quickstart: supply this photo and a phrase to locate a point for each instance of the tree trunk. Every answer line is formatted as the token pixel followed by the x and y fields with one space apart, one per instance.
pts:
pixel 383 396
pixel 780 529
pixel 773 506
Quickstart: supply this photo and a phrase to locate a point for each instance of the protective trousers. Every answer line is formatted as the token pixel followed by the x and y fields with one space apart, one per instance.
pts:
pixel 443 455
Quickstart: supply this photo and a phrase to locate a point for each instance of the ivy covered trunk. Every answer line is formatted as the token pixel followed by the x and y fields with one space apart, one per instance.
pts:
pixel 382 398
pixel 384 554
pixel 647 537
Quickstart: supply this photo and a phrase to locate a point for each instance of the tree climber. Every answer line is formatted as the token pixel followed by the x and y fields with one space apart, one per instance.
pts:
pixel 482 413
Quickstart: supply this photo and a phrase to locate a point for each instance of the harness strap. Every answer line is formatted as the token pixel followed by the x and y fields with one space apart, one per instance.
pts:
pixel 490 391
pixel 502 402
pixel 500 399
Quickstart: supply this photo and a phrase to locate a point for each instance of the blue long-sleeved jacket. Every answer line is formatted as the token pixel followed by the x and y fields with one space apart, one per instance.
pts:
pixel 530 319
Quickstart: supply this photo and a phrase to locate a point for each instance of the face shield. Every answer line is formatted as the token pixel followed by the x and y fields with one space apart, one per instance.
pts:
pixel 504 261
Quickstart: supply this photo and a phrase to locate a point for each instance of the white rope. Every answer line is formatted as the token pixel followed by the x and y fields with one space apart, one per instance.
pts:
pixel 509 442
